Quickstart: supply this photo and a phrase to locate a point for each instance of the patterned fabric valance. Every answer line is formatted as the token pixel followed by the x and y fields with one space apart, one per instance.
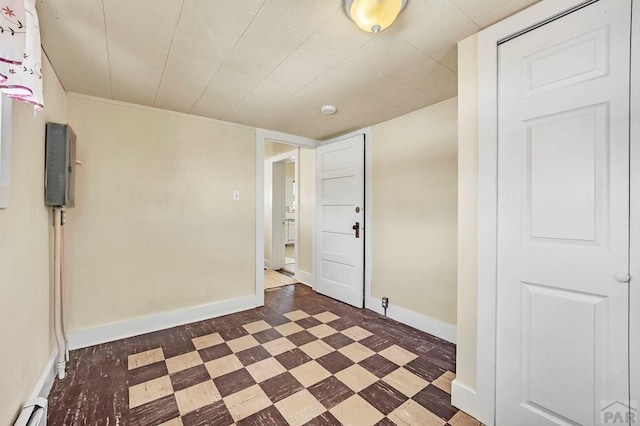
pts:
pixel 20 53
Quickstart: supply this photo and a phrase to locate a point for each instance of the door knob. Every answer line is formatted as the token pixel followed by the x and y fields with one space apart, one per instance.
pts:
pixel 623 277
pixel 356 228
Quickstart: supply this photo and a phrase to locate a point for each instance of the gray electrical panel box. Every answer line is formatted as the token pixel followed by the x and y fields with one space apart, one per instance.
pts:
pixel 60 163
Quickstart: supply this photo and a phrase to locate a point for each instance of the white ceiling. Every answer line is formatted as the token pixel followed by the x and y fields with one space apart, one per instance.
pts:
pixel 264 63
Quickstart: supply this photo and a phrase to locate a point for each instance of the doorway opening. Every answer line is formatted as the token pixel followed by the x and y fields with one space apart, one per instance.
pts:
pixel 281 214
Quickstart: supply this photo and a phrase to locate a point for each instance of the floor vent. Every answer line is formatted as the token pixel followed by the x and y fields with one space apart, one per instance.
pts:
pixel 34 413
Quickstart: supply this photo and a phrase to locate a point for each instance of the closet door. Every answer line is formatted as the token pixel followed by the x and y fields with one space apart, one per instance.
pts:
pixel 563 219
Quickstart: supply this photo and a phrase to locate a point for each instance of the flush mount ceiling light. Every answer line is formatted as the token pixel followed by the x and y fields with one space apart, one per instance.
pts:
pixel 328 110
pixel 373 15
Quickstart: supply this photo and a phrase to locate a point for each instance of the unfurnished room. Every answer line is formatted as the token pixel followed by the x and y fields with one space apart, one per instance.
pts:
pixel 320 212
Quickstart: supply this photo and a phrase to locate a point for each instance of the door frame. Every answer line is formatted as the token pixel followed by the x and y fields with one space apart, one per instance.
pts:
pixel 483 404
pixel 282 158
pixel 263 135
pixel 368 197
pixel 634 206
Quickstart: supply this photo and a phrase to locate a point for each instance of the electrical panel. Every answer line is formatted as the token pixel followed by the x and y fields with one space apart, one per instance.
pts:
pixel 60 163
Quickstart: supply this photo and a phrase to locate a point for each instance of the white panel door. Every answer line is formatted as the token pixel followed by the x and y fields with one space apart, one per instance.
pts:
pixel 563 219
pixel 340 220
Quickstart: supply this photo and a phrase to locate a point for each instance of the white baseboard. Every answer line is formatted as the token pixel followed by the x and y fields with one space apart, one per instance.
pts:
pixel 267 263
pixel 422 322
pixel 467 400
pixel 137 326
pixel 45 382
pixel 306 278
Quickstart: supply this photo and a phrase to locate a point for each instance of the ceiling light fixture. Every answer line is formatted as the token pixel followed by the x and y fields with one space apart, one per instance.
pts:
pixel 373 15
pixel 328 110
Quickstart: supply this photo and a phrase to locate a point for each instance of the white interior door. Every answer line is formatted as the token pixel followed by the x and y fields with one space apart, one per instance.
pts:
pixel 563 219
pixel 340 203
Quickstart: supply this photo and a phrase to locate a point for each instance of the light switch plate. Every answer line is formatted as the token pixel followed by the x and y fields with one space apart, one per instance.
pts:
pixel 236 195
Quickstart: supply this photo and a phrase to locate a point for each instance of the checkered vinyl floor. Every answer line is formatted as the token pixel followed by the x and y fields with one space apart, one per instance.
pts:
pixel 292 363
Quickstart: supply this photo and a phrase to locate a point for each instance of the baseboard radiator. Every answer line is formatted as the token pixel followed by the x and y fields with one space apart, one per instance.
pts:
pixel 34 413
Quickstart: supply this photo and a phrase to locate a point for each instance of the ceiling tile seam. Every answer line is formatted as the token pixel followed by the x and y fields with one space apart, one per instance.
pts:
pixel 295 31
pixel 255 15
pixel 415 47
pixel 277 104
pixel 166 59
pixel 429 56
pixel 249 10
pixel 466 14
pixel 106 42
pixel 302 88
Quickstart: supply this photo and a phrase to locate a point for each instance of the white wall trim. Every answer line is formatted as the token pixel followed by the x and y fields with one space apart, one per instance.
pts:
pixel 414 319
pixel 134 327
pixel 463 396
pixel 368 203
pixel 488 39
pixel 306 278
pixel 634 294
pixel 45 382
pixel 263 135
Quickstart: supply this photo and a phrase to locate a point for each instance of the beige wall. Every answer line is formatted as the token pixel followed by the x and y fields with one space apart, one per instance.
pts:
pixel 306 208
pixel 467 211
pixel 414 215
pixel 155 228
pixel 24 254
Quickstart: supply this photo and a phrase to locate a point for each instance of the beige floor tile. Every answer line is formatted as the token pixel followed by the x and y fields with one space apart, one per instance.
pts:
pixel 356 352
pixel 356 378
pixel 149 391
pixel 296 315
pixel 256 327
pixel 242 343
pixel 246 402
pixel 173 422
pixel 221 366
pixel 398 355
pixel 182 362
pixel 278 346
pixel 356 333
pixel 321 331
pixel 299 408
pixel 413 414
pixel 463 419
pixel 310 373
pixel 265 369
pixel 444 381
pixel 145 358
pixel 190 399
pixel 288 328
pixel 356 411
pixel 326 317
pixel 207 341
pixel 316 349
pixel 405 381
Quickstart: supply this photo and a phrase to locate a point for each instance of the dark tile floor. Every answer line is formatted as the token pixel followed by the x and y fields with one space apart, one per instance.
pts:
pixel 301 359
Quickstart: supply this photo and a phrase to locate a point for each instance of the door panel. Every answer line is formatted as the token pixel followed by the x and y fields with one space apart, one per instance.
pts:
pixel 340 192
pixel 563 218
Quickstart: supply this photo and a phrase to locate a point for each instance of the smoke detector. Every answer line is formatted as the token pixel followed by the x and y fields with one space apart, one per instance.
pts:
pixel 328 110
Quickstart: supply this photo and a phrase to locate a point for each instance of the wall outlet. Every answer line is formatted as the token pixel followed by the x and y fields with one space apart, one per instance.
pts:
pixel 385 302
pixel 236 195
